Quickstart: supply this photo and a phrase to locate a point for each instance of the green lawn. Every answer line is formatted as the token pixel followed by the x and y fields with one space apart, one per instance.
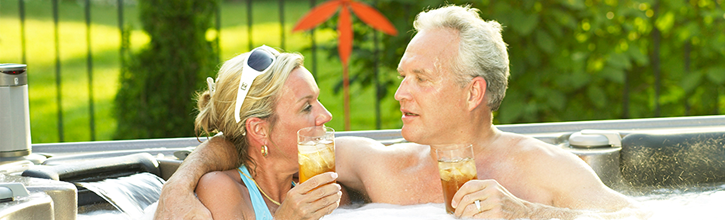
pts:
pixel 41 58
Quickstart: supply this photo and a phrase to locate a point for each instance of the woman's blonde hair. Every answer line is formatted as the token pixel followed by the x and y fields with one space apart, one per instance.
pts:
pixel 216 104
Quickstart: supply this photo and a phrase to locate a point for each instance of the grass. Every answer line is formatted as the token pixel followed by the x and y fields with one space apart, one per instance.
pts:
pixel 41 58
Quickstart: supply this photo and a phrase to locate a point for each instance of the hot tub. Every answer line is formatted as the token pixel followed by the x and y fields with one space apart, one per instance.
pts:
pixel 648 159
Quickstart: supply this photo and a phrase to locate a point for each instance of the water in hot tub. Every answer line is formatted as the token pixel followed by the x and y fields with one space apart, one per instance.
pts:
pixel 131 196
pixel 704 202
pixel 662 204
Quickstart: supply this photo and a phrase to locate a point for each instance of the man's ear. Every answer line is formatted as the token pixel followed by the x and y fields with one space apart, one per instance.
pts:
pixel 476 93
pixel 257 130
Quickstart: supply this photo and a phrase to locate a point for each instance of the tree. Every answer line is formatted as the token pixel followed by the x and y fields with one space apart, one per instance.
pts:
pixel 575 60
pixel 155 98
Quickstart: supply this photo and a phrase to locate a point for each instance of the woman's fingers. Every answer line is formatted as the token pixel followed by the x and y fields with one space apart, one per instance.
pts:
pixel 327 204
pixel 316 181
pixel 314 198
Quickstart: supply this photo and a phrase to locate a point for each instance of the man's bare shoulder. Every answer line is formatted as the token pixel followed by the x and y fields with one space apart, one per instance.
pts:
pixel 547 163
pixel 554 165
pixel 571 182
pixel 532 148
pixel 521 156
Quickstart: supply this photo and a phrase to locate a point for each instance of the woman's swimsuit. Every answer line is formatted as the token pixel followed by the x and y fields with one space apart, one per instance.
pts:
pixel 261 211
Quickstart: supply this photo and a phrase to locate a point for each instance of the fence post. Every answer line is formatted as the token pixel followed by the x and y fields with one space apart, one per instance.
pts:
pixel 656 37
pixel 249 25
pixel 281 24
pixel 218 26
pixel 688 47
pixel 119 4
pixel 90 71
pixel 57 72
pixel 376 71
pixel 21 8
pixel 313 46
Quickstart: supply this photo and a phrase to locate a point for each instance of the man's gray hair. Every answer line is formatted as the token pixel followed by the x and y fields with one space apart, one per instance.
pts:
pixel 482 51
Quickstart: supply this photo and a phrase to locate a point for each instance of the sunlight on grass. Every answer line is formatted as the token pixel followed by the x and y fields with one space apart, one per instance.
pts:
pixel 105 39
pixel 42 90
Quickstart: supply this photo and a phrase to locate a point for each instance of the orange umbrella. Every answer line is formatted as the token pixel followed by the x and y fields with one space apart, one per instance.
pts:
pixel 366 13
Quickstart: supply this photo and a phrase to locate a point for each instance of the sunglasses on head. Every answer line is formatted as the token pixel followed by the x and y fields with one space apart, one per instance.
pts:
pixel 259 61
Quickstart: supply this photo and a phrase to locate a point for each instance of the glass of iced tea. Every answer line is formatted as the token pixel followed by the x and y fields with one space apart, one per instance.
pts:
pixel 456 166
pixel 316 151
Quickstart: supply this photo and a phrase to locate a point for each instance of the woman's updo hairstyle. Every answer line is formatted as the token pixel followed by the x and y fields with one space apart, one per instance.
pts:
pixel 216 104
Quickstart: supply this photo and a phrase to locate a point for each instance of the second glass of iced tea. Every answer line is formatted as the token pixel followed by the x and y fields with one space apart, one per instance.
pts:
pixel 456 166
pixel 316 151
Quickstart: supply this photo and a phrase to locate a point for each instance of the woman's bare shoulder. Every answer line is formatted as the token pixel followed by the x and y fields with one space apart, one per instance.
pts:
pixel 218 182
pixel 222 193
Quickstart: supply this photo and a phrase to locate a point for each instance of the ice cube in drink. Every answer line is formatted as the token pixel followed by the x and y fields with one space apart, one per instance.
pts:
pixel 316 158
pixel 454 173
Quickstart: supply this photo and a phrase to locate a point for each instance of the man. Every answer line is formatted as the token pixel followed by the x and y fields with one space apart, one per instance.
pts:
pixel 455 73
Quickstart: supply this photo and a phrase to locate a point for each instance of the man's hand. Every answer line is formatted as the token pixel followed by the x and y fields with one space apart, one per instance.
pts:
pixel 180 204
pixel 494 202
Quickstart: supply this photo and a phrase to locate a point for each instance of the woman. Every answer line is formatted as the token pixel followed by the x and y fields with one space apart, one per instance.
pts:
pixel 259 101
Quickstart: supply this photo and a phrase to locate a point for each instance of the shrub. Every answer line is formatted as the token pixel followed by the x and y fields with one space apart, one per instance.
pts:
pixel 155 98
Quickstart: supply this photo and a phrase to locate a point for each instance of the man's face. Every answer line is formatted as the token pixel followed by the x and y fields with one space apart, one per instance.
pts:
pixel 432 103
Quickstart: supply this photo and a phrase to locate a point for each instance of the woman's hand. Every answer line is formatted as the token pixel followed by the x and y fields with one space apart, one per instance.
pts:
pixel 312 199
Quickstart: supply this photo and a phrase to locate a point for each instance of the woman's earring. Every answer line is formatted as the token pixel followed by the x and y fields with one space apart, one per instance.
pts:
pixel 265 150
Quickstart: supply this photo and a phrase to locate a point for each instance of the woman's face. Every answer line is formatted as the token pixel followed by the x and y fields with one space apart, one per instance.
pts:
pixel 297 107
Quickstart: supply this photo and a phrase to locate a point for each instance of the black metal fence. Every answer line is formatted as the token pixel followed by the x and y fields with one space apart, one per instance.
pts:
pixel 87 4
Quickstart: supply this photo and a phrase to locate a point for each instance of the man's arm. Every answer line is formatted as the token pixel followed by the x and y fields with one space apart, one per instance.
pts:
pixel 580 193
pixel 351 153
pixel 346 164
pixel 573 189
pixel 616 206
pixel 495 201
pixel 177 199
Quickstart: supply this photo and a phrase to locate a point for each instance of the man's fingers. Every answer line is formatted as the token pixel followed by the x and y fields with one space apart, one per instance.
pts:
pixel 483 193
pixel 470 187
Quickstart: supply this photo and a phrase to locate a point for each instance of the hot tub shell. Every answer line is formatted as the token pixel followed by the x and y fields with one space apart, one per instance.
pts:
pixel 607 162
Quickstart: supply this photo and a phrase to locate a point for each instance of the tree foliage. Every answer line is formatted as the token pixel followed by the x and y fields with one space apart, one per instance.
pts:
pixel 584 59
pixel 155 98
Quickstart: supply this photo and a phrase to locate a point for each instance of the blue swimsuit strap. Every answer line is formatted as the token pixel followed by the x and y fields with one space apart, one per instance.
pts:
pixel 261 211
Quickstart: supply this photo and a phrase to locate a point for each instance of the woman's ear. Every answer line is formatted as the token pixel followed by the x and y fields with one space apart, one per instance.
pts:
pixel 257 130
pixel 476 93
